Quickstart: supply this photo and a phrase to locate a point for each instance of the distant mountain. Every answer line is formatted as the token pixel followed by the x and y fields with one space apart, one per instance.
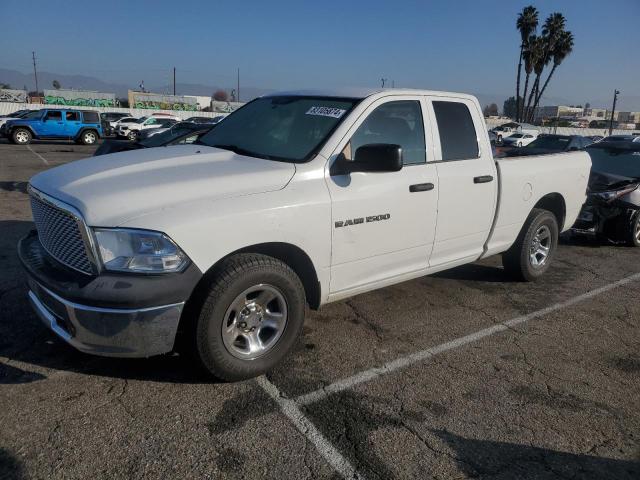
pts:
pixel 82 82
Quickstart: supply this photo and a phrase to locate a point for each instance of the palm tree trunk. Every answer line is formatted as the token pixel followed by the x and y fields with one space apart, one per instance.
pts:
pixel 524 96
pixel 538 97
pixel 533 91
pixel 518 84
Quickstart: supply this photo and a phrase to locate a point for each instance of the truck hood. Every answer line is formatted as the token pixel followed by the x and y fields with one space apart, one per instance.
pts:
pixel 112 189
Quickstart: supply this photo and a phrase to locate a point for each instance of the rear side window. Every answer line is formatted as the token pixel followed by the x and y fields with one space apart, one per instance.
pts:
pixel 90 117
pixel 458 138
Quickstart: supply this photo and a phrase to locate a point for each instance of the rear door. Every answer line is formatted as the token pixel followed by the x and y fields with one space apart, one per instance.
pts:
pixel 467 181
pixel 73 123
pixel 383 223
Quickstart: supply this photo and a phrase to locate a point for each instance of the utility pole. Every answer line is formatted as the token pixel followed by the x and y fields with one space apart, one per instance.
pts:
pixel 383 81
pixel 35 71
pixel 174 81
pixel 393 84
pixel 613 110
pixel 238 86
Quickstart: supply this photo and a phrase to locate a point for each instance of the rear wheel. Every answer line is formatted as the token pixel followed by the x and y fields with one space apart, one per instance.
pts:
pixel 132 135
pixel 529 257
pixel 251 317
pixel 21 136
pixel 88 137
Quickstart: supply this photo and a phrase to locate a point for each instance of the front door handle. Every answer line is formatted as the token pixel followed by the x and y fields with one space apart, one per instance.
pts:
pixel 483 179
pixel 421 187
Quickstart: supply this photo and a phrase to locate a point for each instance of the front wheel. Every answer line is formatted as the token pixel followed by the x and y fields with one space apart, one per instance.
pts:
pixel 529 257
pixel 251 317
pixel 633 236
pixel 21 136
pixel 132 135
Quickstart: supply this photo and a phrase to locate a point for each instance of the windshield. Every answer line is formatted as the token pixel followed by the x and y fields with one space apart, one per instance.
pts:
pixel 625 163
pixel 285 128
pixel 33 114
pixel 552 143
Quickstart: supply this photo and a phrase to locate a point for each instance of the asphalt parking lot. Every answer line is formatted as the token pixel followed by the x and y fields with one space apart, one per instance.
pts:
pixel 465 374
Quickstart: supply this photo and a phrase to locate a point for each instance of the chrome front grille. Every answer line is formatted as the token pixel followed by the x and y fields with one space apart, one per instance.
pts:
pixel 59 232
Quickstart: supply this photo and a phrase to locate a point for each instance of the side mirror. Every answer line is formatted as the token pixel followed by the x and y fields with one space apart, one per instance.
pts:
pixel 374 157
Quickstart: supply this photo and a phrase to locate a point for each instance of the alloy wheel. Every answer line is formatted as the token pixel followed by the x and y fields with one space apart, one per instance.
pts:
pixel 254 322
pixel 540 247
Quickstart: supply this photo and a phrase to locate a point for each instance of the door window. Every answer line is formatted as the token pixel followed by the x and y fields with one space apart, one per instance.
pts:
pixel 53 115
pixel 72 116
pixel 458 138
pixel 399 123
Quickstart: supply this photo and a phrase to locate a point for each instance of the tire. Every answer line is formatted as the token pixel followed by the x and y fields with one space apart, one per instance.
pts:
pixel 233 315
pixel 21 136
pixel 633 234
pixel 88 137
pixel 539 231
pixel 132 135
pixel 519 144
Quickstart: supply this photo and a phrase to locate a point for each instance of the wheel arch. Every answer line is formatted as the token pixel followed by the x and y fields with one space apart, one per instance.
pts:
pixel 84 129
pixel 292 255
pixel 25 127
pixel 554 203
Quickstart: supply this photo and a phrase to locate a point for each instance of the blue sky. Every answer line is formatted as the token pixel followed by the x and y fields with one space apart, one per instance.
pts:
pixel 469 46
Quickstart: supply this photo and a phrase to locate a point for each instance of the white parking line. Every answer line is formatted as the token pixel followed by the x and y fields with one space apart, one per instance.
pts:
pixel 402 362
pixel 292 410
pixel 38 155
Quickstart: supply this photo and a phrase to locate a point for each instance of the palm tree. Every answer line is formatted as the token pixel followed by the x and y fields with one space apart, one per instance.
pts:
pixel 535 54
pixel 551 32
pixel 526 24
pixel 562 49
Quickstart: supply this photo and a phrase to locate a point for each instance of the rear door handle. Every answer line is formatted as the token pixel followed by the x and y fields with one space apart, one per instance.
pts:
pixel 483 179
pixel 421 187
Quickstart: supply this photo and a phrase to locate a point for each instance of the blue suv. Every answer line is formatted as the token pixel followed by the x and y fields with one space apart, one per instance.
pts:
pixel 82 126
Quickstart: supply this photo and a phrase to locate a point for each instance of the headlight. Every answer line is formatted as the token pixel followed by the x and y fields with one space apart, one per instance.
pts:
pixel 138 251
pixel 613 195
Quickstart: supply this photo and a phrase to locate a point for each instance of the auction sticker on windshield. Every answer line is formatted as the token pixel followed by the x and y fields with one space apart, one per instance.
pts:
pixel 326 112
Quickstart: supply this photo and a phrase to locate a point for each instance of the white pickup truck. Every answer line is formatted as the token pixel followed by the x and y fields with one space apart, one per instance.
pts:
pixel 297 198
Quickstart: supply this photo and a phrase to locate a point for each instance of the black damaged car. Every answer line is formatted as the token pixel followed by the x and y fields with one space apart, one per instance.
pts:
pixel 612 210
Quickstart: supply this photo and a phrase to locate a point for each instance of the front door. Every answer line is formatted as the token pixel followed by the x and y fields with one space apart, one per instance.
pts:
pixel 52 125
pixel 468 182
pixel 383 223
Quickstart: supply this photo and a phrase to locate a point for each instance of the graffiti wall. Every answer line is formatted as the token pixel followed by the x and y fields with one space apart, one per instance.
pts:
pixel 80 98
pixel 155 101
pixel 225 107
pixel 9 95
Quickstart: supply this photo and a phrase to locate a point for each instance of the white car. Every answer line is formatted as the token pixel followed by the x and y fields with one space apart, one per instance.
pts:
pixel 130 130
pixel 300 198
pixel 519 139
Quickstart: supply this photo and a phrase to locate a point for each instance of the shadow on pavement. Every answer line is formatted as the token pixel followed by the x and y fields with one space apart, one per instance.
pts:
pixel 10 467
pixel 476 272
pixel 480 458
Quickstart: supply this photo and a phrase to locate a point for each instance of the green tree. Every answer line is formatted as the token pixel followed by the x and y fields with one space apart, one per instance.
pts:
pixel 526 24
pixel 56 84
pixel 509 107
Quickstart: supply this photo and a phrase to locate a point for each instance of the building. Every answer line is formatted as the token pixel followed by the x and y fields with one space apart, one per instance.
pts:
pixel 557 111
pixel 627 117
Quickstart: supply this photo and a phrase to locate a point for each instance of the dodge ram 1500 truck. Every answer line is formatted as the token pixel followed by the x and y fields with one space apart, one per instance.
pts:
pixel 298 198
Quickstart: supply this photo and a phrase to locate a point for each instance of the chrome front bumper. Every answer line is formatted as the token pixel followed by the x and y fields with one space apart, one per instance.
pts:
pixel 108 332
